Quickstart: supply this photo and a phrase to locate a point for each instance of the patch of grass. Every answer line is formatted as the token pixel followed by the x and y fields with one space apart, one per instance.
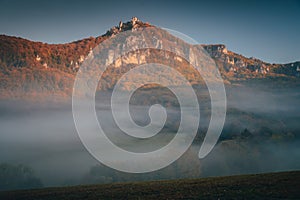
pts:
pixel 282 185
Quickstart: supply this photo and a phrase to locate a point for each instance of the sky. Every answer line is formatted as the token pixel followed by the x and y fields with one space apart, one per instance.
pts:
pixel 268 30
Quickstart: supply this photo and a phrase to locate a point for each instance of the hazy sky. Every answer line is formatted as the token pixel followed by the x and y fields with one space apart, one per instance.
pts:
pixel 267 30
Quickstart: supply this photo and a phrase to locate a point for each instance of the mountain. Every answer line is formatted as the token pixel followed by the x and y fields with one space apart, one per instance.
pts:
pixel 40 71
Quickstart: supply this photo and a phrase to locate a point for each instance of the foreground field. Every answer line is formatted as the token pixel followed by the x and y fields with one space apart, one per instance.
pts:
pixel 282 185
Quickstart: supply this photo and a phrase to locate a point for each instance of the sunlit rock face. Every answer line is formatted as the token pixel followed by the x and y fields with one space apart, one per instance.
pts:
pixel 25 64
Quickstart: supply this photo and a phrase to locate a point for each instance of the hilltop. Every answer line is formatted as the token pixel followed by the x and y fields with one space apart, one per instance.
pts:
pixel 37 70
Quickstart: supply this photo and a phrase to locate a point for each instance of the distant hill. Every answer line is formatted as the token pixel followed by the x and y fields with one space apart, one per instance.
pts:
pixel 37 70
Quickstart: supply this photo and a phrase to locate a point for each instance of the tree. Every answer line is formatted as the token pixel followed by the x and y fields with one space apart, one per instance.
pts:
pixel 14 177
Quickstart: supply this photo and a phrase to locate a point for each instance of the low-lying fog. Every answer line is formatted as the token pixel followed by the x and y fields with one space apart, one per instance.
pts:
pixel 261 134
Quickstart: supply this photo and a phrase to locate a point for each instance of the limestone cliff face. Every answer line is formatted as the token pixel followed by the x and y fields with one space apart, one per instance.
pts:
pixel 26 65
pixel 236 66
pixel 216 50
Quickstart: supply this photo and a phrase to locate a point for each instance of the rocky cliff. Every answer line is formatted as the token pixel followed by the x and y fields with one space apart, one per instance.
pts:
pixel 36 70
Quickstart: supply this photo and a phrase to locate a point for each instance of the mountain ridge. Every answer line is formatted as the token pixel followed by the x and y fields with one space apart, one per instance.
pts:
pixel 26 65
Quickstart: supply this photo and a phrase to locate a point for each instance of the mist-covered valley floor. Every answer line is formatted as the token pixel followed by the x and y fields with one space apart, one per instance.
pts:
pixel 39 145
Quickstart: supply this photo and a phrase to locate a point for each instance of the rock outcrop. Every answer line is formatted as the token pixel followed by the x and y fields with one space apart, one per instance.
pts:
pixel 133 24
pixel 25 64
